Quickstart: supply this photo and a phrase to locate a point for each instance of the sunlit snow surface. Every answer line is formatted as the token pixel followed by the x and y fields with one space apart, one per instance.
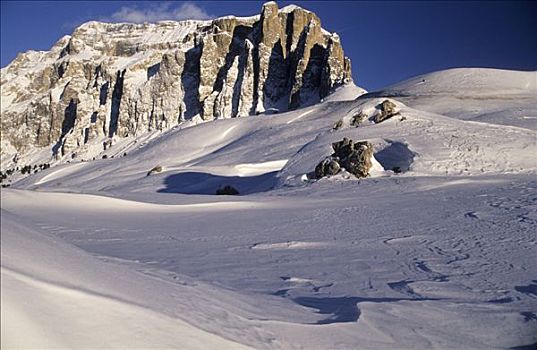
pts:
pixel 442 255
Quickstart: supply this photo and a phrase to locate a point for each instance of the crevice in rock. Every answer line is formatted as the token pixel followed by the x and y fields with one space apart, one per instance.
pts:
pixel 289 32
pixel 103 93
pixel 68 123
pixel 61 68
pixel 69 117
pixel 325 85
pixel 98 73
pixel 190 79
pixel 294 56
pixel 116 102
pixel 152 70
pixel 64 90
pixel 65 51
pixel 243 60
pixel 152 116
pixel 234 49
pixel 237 47
pixel 275 87
pixel 308 92
pixel 255 59
pixel 86 135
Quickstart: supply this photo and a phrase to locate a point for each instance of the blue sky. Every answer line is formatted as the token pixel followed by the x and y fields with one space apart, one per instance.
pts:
pixel 387 41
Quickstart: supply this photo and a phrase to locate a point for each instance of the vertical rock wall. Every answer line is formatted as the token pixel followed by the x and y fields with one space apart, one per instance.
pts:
pixel 118 80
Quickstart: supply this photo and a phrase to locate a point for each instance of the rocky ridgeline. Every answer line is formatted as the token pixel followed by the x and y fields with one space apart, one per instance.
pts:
pixel 117 80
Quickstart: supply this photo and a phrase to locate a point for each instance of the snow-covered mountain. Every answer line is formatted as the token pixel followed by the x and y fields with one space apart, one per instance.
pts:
pixel 111 81
pixel 435 249
pixel 419 142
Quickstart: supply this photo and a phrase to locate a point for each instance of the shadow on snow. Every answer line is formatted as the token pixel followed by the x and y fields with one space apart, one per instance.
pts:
pixel 344 309
pixel 192 182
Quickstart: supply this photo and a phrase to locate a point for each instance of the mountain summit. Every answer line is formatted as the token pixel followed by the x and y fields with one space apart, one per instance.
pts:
pixel 109 81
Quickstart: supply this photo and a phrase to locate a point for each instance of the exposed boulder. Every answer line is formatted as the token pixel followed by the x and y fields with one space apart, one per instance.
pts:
pixel 156 169
pixel 358 162
pixel 352 120
pixel 227 190
pixel 353 157
pixel 338 125
pixel 328 167
pixel 387 110
pixel 358 119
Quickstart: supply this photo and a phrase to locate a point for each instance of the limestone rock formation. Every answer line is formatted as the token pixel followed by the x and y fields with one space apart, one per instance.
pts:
pixel 108 81
pixel 327 167
pixel 353 157
pixel 387 110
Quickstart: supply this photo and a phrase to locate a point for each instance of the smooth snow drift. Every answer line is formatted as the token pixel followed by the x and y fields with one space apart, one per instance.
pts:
pixel 479 94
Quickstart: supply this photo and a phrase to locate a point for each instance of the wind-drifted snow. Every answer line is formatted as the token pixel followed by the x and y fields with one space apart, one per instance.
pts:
pixel 479 94
pixel 441 255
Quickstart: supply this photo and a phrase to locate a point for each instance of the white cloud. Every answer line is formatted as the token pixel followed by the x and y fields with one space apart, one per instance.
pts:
pixel 162 11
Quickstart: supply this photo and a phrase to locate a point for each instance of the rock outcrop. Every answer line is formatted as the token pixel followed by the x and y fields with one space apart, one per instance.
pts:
pixel 353 157
pixel 118 80
pixel 227 191
pixel 327 167
pixel 387 109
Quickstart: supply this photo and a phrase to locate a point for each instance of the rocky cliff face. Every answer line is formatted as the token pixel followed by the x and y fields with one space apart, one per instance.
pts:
pixel 110 81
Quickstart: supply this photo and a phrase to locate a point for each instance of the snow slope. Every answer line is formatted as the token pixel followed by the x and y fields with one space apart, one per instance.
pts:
pixel 478 94
pixel 441 255
pixel 66 298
